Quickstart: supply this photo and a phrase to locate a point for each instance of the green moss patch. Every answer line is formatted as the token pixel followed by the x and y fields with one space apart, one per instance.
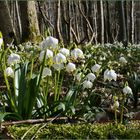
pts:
pixel 76 131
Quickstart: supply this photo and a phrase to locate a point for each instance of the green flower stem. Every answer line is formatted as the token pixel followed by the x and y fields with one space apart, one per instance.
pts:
pixel 57 77
pixel 41 70
pixel 32 66
pixel 46 96
pixel 116 120
pixel 8 87
pixel 60 87
pixel 122 110
pixel 55 87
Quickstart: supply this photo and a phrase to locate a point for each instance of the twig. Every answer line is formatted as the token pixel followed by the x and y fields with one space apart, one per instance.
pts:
pixel 32 121
pixel 28 131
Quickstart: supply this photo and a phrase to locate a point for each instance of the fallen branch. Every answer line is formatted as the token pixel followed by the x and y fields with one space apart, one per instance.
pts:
pixel 35 121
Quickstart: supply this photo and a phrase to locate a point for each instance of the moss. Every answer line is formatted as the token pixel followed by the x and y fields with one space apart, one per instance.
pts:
pixel 78 131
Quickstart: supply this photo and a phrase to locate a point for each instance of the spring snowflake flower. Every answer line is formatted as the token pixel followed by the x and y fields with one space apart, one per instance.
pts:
pixel 49 42
pixel 49 54
pixel 91 77
pixel 59 58
pixel 70 67
pixel 1 42
pixel 87 84
pixel 127 90
pixel 13 58
pixel 46 72
pixel 65 51
pixel 123 60
pixel 77 53
pixel 58 67
pixel 95 68
pixel 110 75
pixel 116 105
pixel 9 72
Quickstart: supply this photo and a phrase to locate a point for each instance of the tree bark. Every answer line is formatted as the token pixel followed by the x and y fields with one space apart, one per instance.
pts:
pixel 29 21
pixel 6 25
pixel 122 23
pixel 132 22
pixel 58 22
pixel 102 22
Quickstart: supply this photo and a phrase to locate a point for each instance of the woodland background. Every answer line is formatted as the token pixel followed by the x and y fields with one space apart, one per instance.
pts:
pixel 79 21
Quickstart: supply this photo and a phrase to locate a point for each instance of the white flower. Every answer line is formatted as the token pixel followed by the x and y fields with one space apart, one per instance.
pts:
pixel 115 105
pixel 13 58
pixel 87 84
pixel 1 42
pixel 49 42
pixel 49 54
pixel 65 51
pixel 127 90
pixel 70 67
pixel 77 53
pixel 46 72
pixel 95 68
pixel 122 60
pixel 91 77
pixel 78 76
pixel 59 58
pixel 58 66
pixel 110 75
pixel 9 72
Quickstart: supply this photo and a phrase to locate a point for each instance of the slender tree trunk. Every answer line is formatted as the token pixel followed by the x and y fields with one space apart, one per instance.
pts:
pixel 132 22
pixel 95 22
pixel 6 25
pixel 108 23
pixel 102 22
pixel 58 22
pixel 122 30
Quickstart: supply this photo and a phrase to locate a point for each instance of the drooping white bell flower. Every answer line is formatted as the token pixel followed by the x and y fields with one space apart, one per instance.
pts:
pixel 77 53
pixel 70 67
pixel 87 84
pixel 127 90
pixel 9 72
pixel 122 60
pixel 95 68
pixel 49 42
pixel 106 74
pixel 46 72
pixel 49 54
pixel 115 105
pixel 13 58
pixel 90 77
pixel 59 58
pixel 1 42
pixel 65 51
pixel 59 66
pixel 110 75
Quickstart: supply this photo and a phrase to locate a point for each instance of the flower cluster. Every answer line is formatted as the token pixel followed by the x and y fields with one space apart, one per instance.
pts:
pixel 90 77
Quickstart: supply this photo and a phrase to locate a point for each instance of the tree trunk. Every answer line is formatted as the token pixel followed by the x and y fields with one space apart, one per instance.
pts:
pixel 108 24
pixel 6 25
pixel 132 22
pixel 58 22
pixel 29 21
pixel 102 22
pixel 122 24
